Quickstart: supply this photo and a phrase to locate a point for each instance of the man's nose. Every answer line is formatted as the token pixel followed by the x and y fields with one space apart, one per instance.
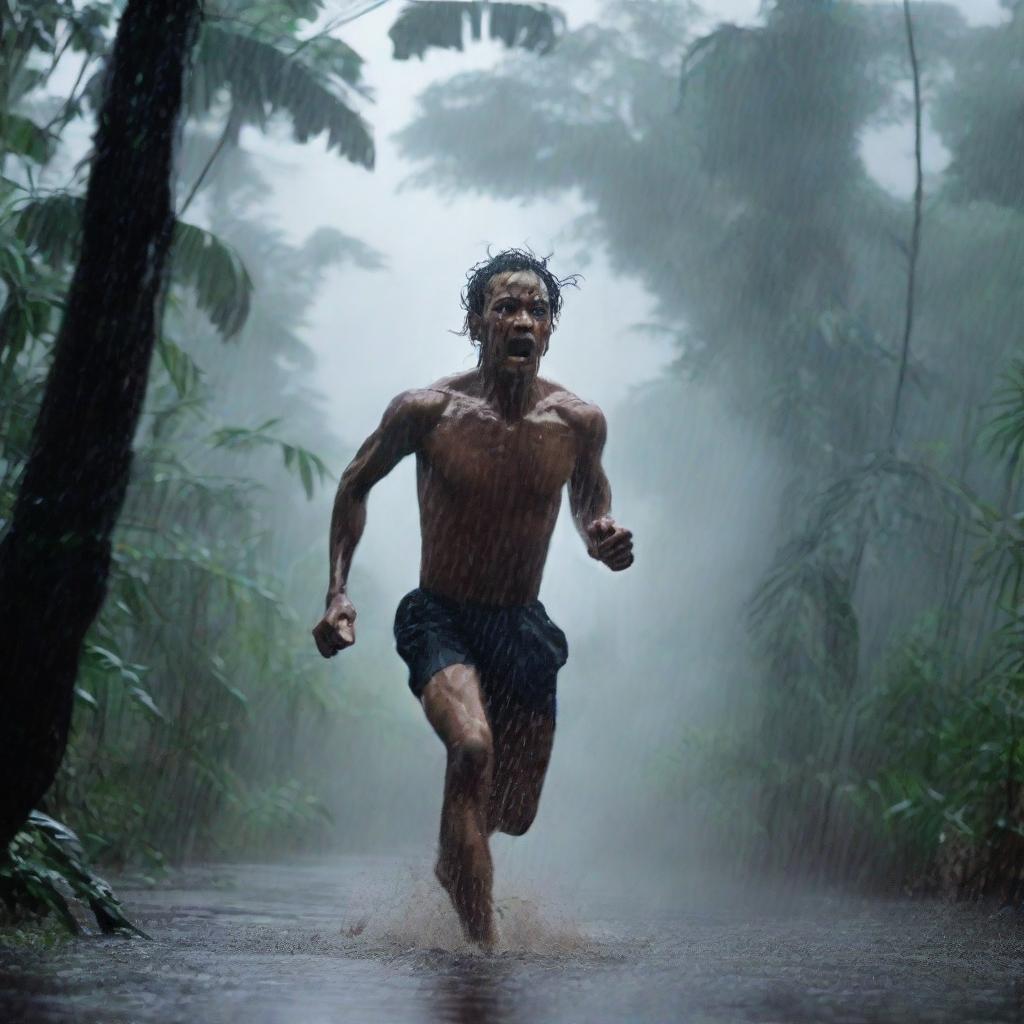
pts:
pixel 523 320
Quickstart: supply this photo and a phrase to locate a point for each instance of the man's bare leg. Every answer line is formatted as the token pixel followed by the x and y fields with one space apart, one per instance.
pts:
pixel 522 749
pixel 454 707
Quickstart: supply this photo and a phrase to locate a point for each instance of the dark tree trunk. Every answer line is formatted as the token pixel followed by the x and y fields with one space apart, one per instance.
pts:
pixel 55 558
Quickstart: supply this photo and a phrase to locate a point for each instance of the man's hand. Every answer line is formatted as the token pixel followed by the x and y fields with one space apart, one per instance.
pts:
pixel 610 543
pixel 336 630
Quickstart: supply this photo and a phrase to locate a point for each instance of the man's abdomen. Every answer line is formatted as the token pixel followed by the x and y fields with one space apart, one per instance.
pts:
pixel 498 562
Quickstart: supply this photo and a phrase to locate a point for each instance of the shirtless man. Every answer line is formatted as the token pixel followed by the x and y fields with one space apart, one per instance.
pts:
pixel 494 448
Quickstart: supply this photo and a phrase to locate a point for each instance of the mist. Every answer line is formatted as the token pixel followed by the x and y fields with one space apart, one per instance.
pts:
pixel 656 654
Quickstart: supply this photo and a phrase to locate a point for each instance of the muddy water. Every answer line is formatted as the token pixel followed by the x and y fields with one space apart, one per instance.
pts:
pixel 369 940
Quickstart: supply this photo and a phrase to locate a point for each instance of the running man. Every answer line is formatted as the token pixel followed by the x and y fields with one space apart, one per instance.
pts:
pixel 494 447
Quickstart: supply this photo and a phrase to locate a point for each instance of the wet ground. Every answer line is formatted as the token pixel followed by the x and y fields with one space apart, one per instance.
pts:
pixel 366 940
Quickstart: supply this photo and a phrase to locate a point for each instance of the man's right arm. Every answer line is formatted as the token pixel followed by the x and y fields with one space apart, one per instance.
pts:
pixel 405 423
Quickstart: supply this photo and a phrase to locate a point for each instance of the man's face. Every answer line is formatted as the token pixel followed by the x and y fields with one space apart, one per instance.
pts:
pixel 515 325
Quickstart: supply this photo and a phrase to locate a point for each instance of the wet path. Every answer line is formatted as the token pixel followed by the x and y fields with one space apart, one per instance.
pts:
pixel 363 940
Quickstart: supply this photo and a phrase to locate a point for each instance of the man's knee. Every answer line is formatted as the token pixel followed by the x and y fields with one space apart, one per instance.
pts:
pixel 472 754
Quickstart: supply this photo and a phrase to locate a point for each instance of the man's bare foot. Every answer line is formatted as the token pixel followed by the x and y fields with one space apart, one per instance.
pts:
pixel 473 908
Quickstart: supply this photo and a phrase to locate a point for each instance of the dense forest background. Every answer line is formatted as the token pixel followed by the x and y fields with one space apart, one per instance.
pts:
pixel 830 465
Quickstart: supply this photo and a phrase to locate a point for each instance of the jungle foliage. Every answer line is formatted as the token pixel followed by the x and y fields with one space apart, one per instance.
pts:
pixel 43 860
pixel 199 697
pixel 874 341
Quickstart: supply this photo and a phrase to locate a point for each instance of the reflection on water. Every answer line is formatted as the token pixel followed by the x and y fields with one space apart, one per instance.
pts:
pixel 483 992
pixel 368 940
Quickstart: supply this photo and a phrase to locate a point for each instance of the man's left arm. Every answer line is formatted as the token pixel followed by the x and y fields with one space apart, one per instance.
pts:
pixel 590 497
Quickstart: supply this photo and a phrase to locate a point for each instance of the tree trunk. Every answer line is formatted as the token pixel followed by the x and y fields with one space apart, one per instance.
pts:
pixel 55 558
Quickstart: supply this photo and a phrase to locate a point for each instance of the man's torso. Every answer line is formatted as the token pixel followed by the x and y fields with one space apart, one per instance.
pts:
pixel 490 490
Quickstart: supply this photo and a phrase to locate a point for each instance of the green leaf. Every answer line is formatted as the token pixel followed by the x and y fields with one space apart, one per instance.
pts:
pixel 86 698
pixel 45 856
pixel 52 225
pixel 899 808
pixel 113 663
pixel 181 368
pixel 12 262
pixel 332 56
pixel 306 472
pixel 442 24
pixel 237 694
pixel 245 437
pixel 1004 433
pixel 310 85
pixel 144 700
pixel 25 138
pixel 216 275
pixel 307 464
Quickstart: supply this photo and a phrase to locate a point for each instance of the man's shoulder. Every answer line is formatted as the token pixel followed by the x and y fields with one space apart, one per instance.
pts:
pixel 456 391
pixel 420 405
pixel 454 384
pixel 577 411
pixel 422 408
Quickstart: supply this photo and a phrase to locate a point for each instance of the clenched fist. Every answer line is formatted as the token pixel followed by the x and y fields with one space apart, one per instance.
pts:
pixel 610 543
pixel 336 630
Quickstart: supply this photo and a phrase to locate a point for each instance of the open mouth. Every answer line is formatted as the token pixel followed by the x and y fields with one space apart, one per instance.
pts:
pixel 520 348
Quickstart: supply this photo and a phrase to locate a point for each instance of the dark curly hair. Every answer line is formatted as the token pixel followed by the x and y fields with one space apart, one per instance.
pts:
pixel 474 295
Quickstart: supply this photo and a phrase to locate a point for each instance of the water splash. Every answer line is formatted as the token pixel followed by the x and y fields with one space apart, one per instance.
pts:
pixel 418 918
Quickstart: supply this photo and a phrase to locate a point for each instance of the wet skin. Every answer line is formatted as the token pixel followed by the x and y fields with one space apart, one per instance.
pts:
pixel 494 448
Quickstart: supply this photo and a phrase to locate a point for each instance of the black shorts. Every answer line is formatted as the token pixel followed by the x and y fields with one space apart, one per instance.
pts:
pixel 517 651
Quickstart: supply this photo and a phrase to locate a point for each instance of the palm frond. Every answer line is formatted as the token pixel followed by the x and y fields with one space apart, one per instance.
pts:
pixel 303 10
pixel 52 224
pixel 1004 433
pixel 216 275
pixel 311 85
pixel 442 24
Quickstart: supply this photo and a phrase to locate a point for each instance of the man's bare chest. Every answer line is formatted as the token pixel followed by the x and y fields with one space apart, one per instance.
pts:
pixel 480 454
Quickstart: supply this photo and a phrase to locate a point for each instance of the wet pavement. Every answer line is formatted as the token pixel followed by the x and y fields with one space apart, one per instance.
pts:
pixel 370 939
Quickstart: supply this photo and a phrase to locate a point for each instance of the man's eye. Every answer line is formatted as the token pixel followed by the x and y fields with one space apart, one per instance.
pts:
pixel 539 311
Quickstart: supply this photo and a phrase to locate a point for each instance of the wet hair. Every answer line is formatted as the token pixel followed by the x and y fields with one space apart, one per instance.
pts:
pixel 474 295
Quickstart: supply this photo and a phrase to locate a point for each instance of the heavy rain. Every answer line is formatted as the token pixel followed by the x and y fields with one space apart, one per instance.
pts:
pixel 758 756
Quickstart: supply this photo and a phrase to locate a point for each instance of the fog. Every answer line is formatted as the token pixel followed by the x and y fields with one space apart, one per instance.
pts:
pixel 625 700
